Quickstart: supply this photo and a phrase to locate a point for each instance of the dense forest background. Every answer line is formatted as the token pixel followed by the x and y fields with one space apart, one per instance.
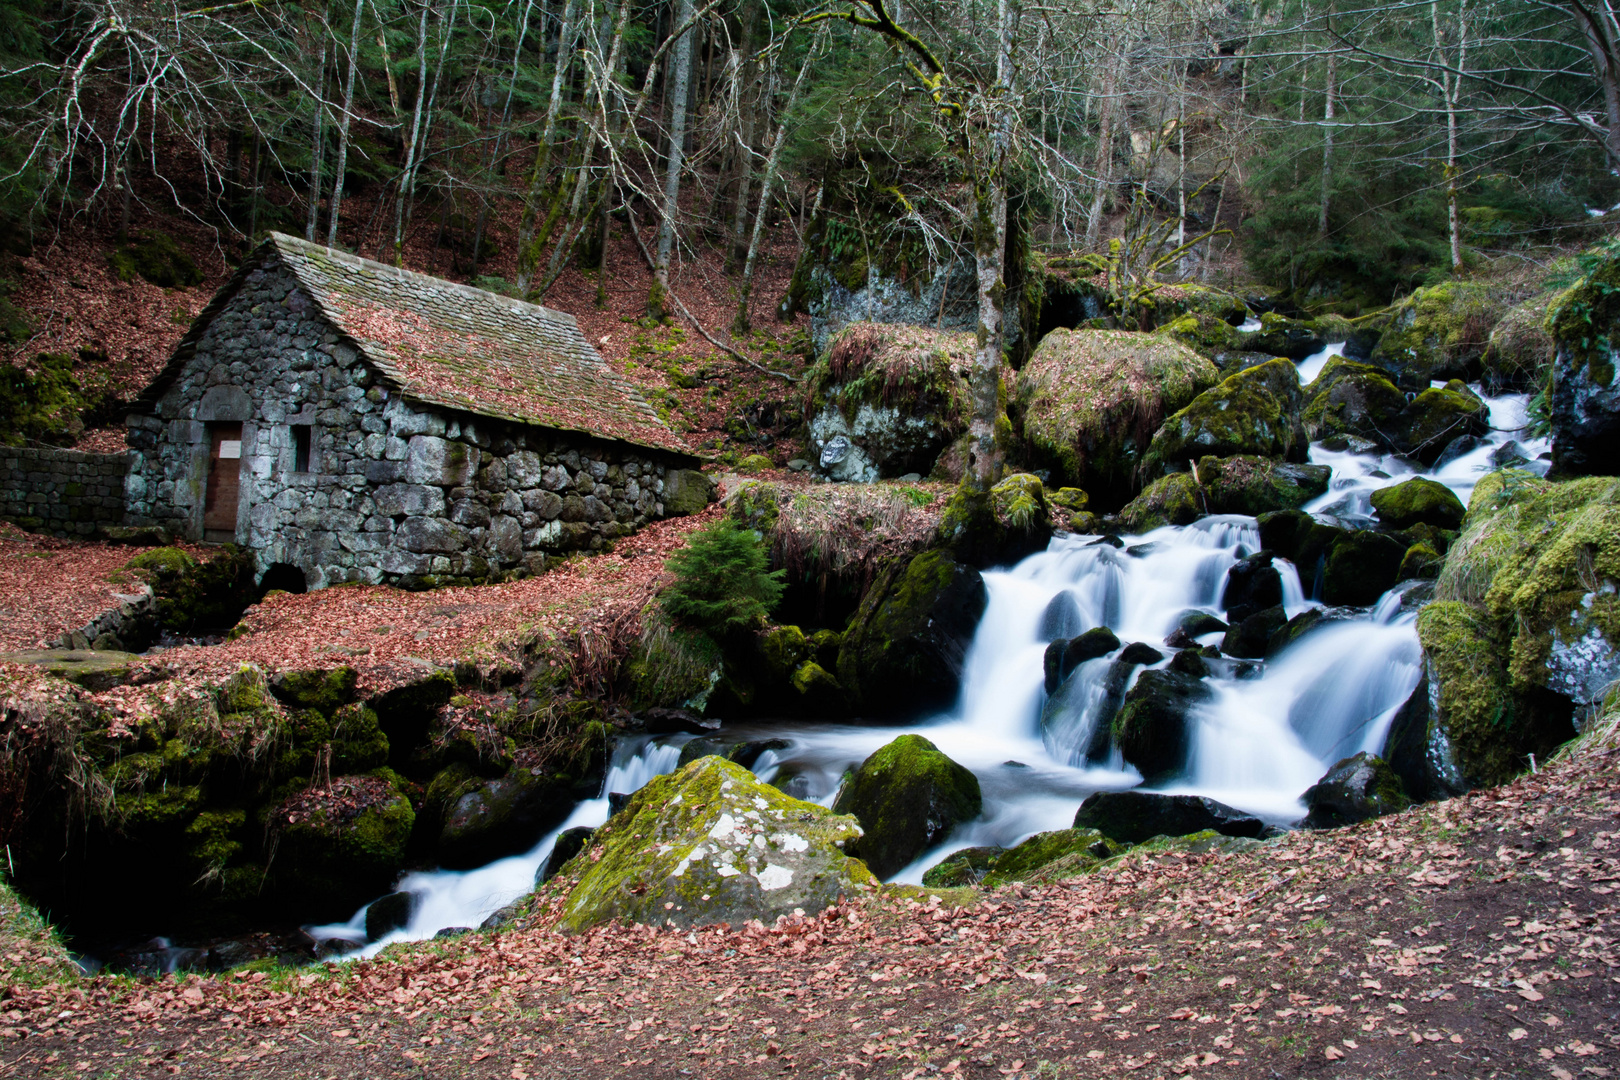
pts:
pixel 1331 154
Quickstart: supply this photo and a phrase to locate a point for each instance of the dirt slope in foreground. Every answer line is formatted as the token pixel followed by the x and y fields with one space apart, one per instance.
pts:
pixel 1474 937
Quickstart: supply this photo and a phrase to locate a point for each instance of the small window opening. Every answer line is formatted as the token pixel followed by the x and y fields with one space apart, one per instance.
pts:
pixel 300 438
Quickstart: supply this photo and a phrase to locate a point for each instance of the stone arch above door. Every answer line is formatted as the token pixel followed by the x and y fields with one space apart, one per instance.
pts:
pixel 227 403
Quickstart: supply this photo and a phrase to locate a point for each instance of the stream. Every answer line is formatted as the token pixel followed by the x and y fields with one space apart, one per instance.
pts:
pixel 1269 731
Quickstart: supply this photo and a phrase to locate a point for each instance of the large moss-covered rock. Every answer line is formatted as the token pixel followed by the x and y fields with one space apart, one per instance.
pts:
pixel 1170 302
pixel 1349 398
pixel 711 844
pixel 1585 325
pixel 1521 348
pixel 1543 561
pixel 908 797
pixel 1256 485
pixel 903 650
pixel 1208 335
pixel 1360 787
pixel 508 814
pixel 1303 541
pixel 93 669
pixel 194 595
pixel 961 869
pixel 1474 731
pixel 1437 416
pixel 672 666
pixel 1439 332
pixel 895 395
pixel 1170 500
pixel 344 844
pixel 1002 525
pixel 1130 817
pixel 1152 729
pixel 1418 501
pixel 1255 412
pixel 687 491
pixel 1361 566
pixel 1091 399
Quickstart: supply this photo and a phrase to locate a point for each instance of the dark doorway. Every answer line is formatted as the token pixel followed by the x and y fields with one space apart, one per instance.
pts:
pixel 224 482
pixel 282 576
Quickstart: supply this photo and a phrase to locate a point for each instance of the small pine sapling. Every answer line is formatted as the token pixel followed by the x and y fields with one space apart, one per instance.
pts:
pixel 722 582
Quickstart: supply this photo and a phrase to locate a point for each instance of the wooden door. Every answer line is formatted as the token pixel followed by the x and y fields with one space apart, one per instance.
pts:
pixel 224 481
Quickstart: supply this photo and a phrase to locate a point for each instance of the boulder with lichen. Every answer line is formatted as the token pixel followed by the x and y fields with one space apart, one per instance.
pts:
pixel 1255 411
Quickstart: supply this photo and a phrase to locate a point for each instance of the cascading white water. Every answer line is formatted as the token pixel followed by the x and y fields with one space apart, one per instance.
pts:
pixel 1267 733
pixel 446 898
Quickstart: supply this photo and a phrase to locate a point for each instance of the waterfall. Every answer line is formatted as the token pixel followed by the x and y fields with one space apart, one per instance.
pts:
pixel 1268 731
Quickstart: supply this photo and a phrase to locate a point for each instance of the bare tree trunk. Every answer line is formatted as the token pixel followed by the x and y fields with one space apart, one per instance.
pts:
pixel 1105 150
pixel 1329 101
pixel 532 234
pixel 343 125
pixel 500 135
pixel 767 182
pixel 680 77
pixel 989 251
pixel 317 149
pixel 406 177
pixel 1450 93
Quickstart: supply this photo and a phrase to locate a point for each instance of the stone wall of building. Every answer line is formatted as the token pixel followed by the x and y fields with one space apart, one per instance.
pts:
pixel 61 492
pixel 394 491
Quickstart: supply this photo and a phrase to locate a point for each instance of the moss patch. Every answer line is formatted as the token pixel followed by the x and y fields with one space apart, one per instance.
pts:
pixel 907 796
pixel 1169 500
pixel 1255 411
pixel 1439 332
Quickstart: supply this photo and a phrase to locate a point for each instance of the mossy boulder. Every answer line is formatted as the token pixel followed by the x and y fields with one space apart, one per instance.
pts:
pixel 1471 730
pixel 1418 501
pixel 1174 499
pixel 908 797
pixel 1420 563
pixel 43 400
pixel 1349 398
pixel 1255 411
pixel 1360 787
pixel 1151 728
pixel 1254 637
pixel 672 666
pixel 1439 332
pixel 324 691
pixel 1521 347
pixel 1257 485
pixel 895 395
pixel 1208 335
pixel 961 869
pixel 903 650
pixel 155 257
pixel 1436 417
pixel 509 814
pixel 686 492
pixel 93 669
pixel 1585 414
pixel 1361 566
pixel 711 844
pixel 195 595
pixel 1002 525
pixel 344 845
pixel 1542 560
pixel 1090 401
pixel 1170 302
pixel 1132 817
pixel 1302 540
pixel 1051 856
pixel 1252 584
pixel 1281 336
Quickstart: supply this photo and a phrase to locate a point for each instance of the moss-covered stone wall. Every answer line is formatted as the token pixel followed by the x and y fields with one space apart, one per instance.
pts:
pixel 61 492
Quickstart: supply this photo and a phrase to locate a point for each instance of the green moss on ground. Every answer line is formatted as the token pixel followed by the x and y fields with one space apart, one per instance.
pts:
pixel 155 257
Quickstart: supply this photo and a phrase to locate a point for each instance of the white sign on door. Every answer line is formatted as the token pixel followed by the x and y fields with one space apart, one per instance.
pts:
pixel 230 448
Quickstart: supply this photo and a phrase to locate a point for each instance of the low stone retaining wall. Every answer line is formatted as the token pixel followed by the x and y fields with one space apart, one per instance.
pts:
pixel 61 492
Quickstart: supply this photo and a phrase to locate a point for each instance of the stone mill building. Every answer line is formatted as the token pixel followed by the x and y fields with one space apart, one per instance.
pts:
pixel 351 421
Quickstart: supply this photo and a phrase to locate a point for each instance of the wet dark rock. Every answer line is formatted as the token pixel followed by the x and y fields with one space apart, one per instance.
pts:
pixel 1151 727
pixel 452 932
pixel 618 800
pixel 1189 662
pixel 1131 817
pixel 1110 539
pixel 1251 638
pixel 748 754
pixel 1461 446
pixel 1361 566
pixel 908 797
pixel 1142 551
pixel 1140 652
pixel 1356 789
pixel 662 721
pixel 1509 455
pixel 569 842
pixel 1252 585
pixel 903 651
pixel 1302 540
pixel 1585 389
pixel 1062 657
pixel 1061 619
pixel 1437 416
pixel 1294 629
pixel 387 914
pixel 505 916
pixel 1192 625
pixel 507 815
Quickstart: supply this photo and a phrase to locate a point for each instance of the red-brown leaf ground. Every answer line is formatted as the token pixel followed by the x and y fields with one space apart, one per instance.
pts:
pixel 1475 937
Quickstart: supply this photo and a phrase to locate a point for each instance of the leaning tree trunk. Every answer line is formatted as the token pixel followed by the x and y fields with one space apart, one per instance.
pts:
pixel 1105 154
pixel 680 78
pixel 533 230
pixel 343 125
pixel 1329 101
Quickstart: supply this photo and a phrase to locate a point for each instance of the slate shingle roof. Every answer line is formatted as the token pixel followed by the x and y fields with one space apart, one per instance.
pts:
pixel 455 346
